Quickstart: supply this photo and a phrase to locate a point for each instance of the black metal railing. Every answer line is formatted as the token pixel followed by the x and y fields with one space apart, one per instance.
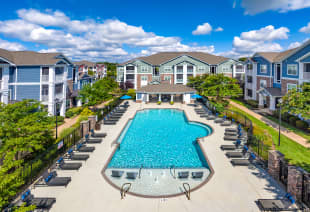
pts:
pixel 306 189
pixel 283 173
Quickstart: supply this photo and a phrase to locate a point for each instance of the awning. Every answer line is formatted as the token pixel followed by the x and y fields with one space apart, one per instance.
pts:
pixel 274 92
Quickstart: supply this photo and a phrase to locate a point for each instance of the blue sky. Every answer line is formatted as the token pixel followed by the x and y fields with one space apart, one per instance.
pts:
pixel 119 30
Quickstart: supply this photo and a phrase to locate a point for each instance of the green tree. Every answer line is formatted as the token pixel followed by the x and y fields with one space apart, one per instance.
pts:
pixel 131 92
pixel 297 101
pixel 220 86
pixel 196 82
pixel 25 131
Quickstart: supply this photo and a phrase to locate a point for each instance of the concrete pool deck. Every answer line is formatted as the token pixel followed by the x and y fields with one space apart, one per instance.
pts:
pixel 229 189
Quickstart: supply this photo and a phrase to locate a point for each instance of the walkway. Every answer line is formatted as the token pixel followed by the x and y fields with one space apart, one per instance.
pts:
pixel 230 189
pixel 297 138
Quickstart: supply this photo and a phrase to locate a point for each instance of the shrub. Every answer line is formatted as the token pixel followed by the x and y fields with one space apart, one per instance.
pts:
pixel 292 120
pixel 87 112
pixel 131 92
pixel 301 124
pixel 285 117
pixel 73 112
pixel 159 102
pixel 252 103
pixel 172 102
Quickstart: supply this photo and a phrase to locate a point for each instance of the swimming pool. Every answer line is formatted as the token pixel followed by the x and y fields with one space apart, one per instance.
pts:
pixel 160 138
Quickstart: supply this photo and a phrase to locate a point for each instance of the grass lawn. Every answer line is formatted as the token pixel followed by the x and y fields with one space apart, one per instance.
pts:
pixel 290 127
pixel 295 153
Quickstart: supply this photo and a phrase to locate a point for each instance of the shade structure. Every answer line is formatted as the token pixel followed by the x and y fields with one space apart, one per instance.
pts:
pixel 196 96
pixel 125 97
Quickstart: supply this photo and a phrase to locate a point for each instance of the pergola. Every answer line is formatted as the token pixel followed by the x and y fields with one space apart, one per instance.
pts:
pixel 143 94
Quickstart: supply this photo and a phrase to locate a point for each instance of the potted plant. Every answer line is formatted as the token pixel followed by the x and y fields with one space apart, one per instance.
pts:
pixel 172 102
pixel 159 102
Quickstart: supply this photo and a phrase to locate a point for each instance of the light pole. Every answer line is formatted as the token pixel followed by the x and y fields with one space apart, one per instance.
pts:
pixel 280 103
pixel 56 114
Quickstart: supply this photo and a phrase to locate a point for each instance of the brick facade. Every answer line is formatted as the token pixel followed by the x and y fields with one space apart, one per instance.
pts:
pixel 139 76
pixel 269 83
pixel 162 77
pixel 284 83
pixel 294 181
pixel 274 158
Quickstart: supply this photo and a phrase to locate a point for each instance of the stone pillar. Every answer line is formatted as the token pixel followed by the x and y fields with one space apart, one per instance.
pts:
pixel 294 181
pixel 274 158
pixel 92 120
pixel 85 128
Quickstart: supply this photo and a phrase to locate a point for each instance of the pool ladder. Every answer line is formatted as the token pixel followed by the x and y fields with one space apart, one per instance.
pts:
pixel 124 190
pixel 187 190
pixel 173 174
pixel 140 171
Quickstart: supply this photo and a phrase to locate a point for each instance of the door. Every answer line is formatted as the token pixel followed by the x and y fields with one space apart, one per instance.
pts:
pixel 143 81
pixel 213 69
pixel 278 73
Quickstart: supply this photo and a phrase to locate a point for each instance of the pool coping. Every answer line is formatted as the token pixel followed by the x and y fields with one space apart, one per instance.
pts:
pixel 160 196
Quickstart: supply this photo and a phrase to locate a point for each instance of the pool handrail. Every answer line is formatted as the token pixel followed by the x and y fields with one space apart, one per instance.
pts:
pixel 187 191
pixel 124 191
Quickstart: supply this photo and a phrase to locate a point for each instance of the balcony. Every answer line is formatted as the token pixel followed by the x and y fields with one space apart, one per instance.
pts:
pixel 306 75
pixel 45 78
pixel 180 71
pixel 59 78
pixel 44 98
pixel 179 81
pixel 130 71
pixel 58 95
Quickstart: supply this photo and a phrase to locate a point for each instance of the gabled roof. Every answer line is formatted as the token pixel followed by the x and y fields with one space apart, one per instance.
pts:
pixel 163 57
pixel 85 62
pixel 165 88
pixel 31 57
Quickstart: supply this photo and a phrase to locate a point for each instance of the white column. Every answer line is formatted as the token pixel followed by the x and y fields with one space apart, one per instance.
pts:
pixel 194 71
pixel 5 84
pixel 64 93
pixel 260 100
pixel 301 73
pixel 147 97
pixel 136 72
pixel 184 74
pixel 124 74
pixel 159 97
pixel 234 71
pixel 51 91
pixel 175 74
pixel 272 103
pixel 171 98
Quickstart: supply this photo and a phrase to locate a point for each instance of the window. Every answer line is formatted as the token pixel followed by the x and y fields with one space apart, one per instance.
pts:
pixel 201 68
pixel 180 69
pixel 249 92
pixel 180 77
pixel 167 78
pixel 225 69
pixel 59 70
pixel 249 79
pixel 144 78
pixel 144 69
pixel 190 69
pixel 139 96
pixel 0 75
pixel 58 88
pixel 263 68
pixel 249 66
pixel 292 69
pixel 44 91
pixel 263 84
pixel 307 67
pixel 167 69
pixel 130 76
pixel 130 68
pixel 121 69
pixel 291 86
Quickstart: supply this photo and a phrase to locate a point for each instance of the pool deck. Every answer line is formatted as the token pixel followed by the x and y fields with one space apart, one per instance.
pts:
pixel 229 189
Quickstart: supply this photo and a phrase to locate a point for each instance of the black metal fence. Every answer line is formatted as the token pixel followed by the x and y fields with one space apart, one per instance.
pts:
pixel 306 189
pixel 283 173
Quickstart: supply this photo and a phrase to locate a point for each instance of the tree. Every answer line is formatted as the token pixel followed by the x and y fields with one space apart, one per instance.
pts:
pixel 196 82
pixel 297 101
pixel 220 86
pixel 131 92
pixel 25 131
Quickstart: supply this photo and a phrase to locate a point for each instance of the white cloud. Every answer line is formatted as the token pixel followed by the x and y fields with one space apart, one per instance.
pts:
pixel 294 45
pixel 305 29
pixel 11 45
pixel 257 41
pixel 219 29
pixel 267 33
pixel 203 29
pixel 94 39
pixel 253 7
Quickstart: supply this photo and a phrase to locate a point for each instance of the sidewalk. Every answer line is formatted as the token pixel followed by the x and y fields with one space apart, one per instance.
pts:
pixel 298 139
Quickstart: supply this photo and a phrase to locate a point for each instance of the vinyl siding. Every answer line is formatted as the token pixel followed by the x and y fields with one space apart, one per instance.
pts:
pixel 28 74
pixel 27 92
pixel 262 61
pixel 12 90
pixel 70 72
pixel 227 64
pixel 12 74
pixel 140 64
pixel 306 60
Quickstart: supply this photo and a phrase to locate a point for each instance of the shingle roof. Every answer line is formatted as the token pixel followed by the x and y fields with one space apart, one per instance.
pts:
pixel 163 57
pixel 275 56
pixel 29 57
pixel 166 88
pixel 85 62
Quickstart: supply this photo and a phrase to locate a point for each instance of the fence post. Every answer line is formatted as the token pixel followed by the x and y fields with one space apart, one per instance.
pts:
pixel 92 122
pixel 85 128
pixel 294 181
pixel 274 158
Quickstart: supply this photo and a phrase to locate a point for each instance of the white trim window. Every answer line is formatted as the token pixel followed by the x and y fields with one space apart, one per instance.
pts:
pixel 167 69
pixel 144 69
pixel 144 78
pixel 292 69
pixel 225 68
pixel 291 86
pixel 249 66
pixel 263 83
pixel 201 69
pixel 263 68
pixel 167 78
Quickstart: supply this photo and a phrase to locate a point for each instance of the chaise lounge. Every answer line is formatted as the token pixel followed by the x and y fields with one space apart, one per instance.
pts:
pixel 67 166
pixel 51 179
pixel 231 146
pixel 40 202
pixel 243 162
pixel 84 148
pixel 275 205
pixel 70 155
pixel 93 134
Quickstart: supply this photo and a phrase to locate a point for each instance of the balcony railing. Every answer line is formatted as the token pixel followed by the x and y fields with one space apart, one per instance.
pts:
pixel 45 78
pixel 306 75
pixel 58 95
pixel 179 70
pixel 44 98
pixel 179 80
pixel 130 71
pixel 59 77
pixel 155 78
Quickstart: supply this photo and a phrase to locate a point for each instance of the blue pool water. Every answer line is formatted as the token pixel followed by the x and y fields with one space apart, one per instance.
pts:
pixel 160 138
